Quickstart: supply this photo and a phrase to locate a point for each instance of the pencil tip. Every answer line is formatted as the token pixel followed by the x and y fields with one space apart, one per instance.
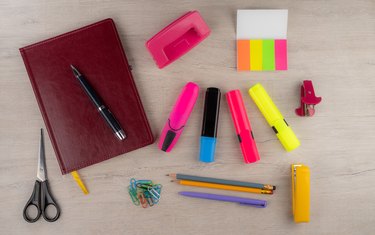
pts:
pixel 274 187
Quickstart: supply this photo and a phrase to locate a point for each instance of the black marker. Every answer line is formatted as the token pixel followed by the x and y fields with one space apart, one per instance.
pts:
pixel 209 125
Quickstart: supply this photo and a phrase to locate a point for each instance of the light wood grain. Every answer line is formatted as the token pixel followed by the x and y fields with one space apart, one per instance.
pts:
pixel 330 42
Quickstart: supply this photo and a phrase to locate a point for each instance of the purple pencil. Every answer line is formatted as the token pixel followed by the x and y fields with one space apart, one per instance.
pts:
pixel 240 200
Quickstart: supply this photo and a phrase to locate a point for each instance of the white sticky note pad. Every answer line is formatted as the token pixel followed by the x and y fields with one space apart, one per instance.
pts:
pixel 262 24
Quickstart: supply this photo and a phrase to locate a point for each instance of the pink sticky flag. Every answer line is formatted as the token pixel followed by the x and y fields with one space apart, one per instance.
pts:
pixel 281 58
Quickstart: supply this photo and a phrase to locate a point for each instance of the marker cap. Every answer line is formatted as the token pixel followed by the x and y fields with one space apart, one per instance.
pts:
pixel 207 149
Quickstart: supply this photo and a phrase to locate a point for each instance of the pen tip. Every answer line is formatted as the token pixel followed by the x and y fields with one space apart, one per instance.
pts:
pixel 75 71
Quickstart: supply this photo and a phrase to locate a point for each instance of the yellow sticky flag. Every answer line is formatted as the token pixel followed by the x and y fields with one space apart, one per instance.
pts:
pixel 256 60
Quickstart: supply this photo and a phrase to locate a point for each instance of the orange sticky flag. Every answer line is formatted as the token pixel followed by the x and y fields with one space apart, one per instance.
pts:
pixel 243 55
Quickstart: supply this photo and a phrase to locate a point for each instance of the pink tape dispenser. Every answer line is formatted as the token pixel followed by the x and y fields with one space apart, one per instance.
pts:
pixel 177 38
pixel 178 117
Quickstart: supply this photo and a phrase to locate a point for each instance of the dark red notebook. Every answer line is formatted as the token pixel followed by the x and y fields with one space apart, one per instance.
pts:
pixel 79 135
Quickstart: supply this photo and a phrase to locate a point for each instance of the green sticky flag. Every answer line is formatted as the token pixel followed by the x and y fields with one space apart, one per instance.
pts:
pixel 268 54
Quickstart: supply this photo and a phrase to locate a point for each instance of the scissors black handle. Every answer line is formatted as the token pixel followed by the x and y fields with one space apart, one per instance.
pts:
pixel 41 199
pixel 33 201
pixel 48 200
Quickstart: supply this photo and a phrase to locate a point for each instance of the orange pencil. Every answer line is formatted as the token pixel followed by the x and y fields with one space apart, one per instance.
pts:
pixel 224 187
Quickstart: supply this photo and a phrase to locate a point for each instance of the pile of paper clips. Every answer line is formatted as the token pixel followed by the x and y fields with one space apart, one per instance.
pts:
pixel 144 192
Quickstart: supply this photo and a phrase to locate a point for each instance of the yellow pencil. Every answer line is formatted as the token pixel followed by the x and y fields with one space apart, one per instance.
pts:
pixel 224 187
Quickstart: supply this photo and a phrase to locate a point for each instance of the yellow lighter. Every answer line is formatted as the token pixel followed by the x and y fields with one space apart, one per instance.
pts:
pixel 301 193
pixel 274 118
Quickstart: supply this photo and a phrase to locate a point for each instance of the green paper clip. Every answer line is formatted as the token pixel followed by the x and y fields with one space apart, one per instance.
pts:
pixel 133 196
pixel 144 181
pixel 144 186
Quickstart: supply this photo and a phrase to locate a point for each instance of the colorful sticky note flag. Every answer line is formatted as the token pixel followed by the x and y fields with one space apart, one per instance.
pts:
pixel 262 40
pixel 268 50
pixel 243 54
pixel 256 62
pixel 281 54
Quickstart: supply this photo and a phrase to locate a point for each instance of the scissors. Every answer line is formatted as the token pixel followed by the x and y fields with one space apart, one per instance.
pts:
pixel 41 198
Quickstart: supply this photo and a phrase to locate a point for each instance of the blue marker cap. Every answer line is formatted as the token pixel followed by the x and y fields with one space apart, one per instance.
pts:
pixel 209 125
pixel 207 151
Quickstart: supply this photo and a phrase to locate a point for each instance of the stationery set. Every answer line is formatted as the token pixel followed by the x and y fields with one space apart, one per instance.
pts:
pixel 92 110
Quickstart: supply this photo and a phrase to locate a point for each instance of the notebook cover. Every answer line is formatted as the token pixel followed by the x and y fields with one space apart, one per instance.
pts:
pixel 79 135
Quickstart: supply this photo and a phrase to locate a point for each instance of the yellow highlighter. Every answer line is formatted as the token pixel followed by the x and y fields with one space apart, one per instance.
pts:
pixel 301 193
pixel 274 118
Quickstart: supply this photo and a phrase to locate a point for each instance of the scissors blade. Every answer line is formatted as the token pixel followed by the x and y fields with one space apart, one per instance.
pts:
pixel 41 173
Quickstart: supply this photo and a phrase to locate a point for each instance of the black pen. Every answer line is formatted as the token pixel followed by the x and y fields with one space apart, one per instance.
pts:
pixel 103 110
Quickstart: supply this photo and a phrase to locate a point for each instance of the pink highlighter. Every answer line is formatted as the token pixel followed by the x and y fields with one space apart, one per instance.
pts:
pixel 242 124
pixel 178 117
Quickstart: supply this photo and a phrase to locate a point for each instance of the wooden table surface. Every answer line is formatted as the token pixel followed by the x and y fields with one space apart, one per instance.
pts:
pixel 330 42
